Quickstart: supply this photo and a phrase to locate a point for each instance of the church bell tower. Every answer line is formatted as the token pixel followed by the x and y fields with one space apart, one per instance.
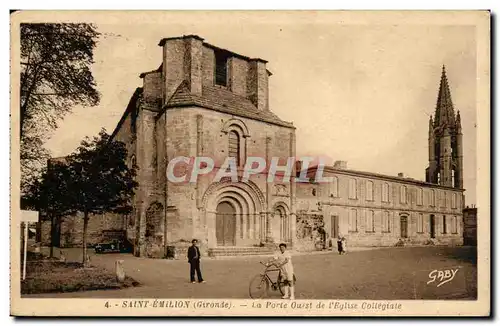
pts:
pixel 445 141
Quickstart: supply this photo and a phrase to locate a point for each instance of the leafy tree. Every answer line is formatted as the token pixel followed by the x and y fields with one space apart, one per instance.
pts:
pixel 100 180
pixel 50 195
pixel 55 76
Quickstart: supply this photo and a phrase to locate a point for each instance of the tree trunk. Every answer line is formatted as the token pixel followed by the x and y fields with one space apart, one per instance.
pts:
pixel 85 224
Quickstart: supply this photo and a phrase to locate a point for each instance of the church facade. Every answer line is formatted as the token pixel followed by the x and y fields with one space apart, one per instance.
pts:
pixel 205 101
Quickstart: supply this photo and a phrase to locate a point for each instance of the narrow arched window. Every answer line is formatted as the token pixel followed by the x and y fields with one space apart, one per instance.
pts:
pixel 234 146
pixel 133 161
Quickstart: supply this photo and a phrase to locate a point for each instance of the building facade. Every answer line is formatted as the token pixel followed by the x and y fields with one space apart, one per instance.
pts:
pixel 208 101
pixel 205 101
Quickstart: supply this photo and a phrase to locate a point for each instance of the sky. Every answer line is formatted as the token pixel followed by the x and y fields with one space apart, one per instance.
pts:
pixel 357 92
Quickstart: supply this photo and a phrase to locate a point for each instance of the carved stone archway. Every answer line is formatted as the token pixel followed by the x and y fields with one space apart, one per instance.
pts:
pixel 249 204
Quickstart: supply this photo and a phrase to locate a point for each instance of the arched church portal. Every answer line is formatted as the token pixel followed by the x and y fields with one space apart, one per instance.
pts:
pixel 225 224
pixel 234 214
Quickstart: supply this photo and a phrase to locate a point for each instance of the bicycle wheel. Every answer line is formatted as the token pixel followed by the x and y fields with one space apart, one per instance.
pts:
pixel 259 286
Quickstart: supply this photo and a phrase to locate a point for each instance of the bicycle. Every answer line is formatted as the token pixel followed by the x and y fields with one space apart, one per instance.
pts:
pixel 260 283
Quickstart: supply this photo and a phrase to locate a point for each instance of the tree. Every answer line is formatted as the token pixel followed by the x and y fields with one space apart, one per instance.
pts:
pixel 50 195
pixel 100 179
pixel 55 77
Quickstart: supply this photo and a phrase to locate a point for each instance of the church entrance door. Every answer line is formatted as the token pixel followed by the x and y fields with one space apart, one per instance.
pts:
pixel 225 224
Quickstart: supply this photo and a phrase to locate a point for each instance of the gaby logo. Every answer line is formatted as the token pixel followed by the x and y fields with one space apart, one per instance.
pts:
pixel 184 169
pixel 442 276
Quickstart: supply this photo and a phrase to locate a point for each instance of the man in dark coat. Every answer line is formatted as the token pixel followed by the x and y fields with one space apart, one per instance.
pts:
pixel 194 257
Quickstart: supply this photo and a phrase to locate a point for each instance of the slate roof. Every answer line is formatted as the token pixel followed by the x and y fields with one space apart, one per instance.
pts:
pixel 224 101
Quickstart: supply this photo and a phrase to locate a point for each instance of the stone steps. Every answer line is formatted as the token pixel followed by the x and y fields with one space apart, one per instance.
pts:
pixel 239 251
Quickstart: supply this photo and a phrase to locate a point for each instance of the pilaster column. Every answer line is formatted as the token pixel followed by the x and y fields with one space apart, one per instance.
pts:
pixel 269 228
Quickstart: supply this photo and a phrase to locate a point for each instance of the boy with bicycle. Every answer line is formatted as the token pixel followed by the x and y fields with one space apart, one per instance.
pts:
pixel 283 261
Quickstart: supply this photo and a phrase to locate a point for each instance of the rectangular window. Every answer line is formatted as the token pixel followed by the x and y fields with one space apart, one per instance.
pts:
pixel 432 198
pixel 420 223
pixel 402 195
pixel 443 198
pixel 385 192
pixel 221 67
pixel 352 189
pixel 370 222
pixel 444 224
pixel 453 200
pixel 334 190
pixel 386 225
pixel 353 220
pixel 420 196
pixel 369 190
pixel 454 225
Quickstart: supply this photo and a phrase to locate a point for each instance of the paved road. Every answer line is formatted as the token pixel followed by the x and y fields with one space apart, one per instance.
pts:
pixel 375 274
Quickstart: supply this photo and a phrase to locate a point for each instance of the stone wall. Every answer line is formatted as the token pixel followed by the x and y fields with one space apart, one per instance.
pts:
pixel 72 229
pixel 185 215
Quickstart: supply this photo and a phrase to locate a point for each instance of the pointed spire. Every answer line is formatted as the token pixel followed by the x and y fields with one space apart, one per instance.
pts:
pixel 444 107
pixel 431 126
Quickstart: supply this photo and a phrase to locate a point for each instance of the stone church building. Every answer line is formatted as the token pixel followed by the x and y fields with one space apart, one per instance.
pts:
pixel 207 101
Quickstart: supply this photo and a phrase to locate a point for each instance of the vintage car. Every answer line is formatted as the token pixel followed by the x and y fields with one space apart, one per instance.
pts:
pixel 113 246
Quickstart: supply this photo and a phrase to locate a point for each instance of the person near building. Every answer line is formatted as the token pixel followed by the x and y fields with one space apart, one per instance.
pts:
pixel 344 245
pixel 283 260
pixel 194 258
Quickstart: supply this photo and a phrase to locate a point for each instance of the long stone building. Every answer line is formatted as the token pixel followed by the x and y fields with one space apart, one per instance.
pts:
pixel 207 101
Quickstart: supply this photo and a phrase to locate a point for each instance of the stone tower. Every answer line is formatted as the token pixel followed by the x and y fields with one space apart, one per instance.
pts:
pixel 445 141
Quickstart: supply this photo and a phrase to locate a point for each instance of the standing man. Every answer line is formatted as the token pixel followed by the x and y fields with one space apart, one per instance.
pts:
pixel 194 257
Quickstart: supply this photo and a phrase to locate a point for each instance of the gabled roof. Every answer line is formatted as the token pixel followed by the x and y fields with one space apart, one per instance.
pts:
pixel 222 100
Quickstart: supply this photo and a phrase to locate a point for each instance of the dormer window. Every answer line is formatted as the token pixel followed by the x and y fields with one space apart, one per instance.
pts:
pixel 221 67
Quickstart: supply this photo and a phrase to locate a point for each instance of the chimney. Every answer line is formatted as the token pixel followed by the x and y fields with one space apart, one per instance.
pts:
pixel 340 165
pixel 257 84
pixel 401 175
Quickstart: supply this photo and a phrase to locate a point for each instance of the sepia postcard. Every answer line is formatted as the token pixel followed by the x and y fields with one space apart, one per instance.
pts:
pixel 250 163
